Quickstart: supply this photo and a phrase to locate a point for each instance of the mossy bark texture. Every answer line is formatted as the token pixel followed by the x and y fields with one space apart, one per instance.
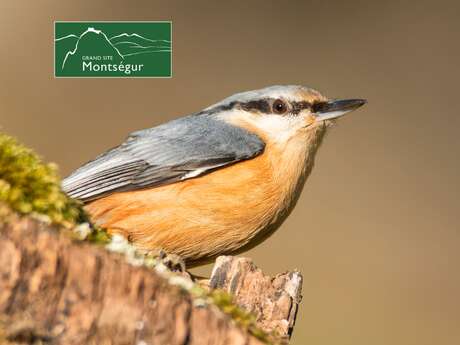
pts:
pixel 55 290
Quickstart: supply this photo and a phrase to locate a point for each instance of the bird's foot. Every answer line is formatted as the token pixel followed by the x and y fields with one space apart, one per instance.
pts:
pixel 172 262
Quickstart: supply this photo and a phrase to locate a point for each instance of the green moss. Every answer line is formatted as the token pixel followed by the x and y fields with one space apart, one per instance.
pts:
pixel 99 236
pixel 224 301
pixel 27 185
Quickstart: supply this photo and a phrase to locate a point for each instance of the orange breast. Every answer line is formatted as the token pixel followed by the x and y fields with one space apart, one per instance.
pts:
pixel 227 210
pixel 197 218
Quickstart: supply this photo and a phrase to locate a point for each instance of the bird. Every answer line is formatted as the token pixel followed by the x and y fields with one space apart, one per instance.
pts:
pixel 215 182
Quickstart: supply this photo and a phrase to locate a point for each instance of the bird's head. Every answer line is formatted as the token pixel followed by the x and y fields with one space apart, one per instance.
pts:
pixel 282 112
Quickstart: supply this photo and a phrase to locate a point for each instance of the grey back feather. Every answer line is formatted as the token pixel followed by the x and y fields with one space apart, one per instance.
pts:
pixel 177 150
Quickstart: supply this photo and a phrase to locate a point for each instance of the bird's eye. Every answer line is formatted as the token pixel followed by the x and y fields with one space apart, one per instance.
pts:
pixel 279 107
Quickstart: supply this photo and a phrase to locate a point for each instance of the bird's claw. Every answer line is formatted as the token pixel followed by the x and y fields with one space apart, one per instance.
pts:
pixel 173 262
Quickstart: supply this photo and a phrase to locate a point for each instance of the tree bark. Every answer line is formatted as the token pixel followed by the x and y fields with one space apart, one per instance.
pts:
pixel 274 300
pixel 54 290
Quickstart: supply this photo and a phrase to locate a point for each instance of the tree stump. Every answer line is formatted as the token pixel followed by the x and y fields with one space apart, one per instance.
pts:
pixel 274 300
pixel 55 290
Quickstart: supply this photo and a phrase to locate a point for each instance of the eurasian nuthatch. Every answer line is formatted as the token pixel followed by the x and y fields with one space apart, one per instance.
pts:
pixel 215 182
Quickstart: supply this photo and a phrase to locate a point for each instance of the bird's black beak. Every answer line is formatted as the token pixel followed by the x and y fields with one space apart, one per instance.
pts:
pixel 336 108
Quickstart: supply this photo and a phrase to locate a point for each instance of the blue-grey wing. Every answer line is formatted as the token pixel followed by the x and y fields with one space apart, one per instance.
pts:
pixel 177 150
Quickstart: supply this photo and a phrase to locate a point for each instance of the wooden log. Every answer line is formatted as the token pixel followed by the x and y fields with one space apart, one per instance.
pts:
pixel 274 300
pixel 55 290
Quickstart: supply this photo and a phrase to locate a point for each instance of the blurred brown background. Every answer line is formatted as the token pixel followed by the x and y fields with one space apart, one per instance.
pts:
pixel 376 231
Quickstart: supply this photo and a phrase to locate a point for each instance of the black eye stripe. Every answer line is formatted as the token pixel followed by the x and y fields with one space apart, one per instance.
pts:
pixel 297 107
pixel 262 105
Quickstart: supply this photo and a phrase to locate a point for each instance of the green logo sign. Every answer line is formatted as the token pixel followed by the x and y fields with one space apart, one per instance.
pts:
pixel 112 49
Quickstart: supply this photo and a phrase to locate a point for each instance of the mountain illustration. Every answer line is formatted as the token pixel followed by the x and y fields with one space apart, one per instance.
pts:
pixel 95 42
pixel 136 39
pixel 92 42
pixel 66 43
pixel 134 44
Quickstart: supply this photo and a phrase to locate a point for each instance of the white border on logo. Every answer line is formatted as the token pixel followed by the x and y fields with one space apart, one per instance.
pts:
pixel 110 21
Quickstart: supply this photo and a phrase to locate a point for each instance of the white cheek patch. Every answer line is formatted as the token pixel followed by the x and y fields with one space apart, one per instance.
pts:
pixel 279 128
pixel 276 127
